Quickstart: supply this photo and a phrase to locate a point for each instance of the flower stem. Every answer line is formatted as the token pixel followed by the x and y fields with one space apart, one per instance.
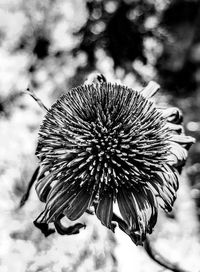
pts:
pixel 36 98
pixel 154 255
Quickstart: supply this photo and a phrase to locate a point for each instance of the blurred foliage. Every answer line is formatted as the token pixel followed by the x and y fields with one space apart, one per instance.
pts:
pixel 52 46
pixel 122 28
pixel 118 28
pixel 178 66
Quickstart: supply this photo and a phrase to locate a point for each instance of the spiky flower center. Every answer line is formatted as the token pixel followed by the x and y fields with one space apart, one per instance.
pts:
pixel 103 137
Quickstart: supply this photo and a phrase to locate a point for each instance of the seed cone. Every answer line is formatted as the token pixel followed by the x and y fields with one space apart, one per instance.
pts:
pixel 104 143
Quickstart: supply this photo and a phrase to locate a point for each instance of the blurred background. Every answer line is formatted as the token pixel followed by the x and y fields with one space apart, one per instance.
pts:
pixel 52 46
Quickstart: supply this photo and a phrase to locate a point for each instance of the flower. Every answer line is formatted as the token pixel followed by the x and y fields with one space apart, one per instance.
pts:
pixel 103 145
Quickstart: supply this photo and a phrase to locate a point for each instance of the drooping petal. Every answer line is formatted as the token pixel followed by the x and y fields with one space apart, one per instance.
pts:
pixel 105 209
pixel 63 230
pixel 144 213
pixel 133 234
pixel 170 176
pixel 44 227
pixel 167 192
pixel 154 208
pixel 43 186
pixel 78 204
pixel 173 115
pixel 127 208
pixel 59 201
pixel 139 210
pixel 177 128
pixel 179 152
pixel 183 140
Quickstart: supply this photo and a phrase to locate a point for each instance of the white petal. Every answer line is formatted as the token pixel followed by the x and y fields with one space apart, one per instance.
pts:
pixel 174 127
pixel 180 152
pixel 173 115
pixel 182 139
pixel 150 89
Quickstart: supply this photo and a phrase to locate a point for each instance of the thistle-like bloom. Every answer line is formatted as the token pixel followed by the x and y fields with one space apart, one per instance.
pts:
pixel 103 145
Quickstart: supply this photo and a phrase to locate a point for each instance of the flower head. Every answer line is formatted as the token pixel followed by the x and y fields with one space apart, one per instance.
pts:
pixel 104 144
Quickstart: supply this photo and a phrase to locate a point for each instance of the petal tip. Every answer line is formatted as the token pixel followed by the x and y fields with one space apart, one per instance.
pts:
pixel 150 89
